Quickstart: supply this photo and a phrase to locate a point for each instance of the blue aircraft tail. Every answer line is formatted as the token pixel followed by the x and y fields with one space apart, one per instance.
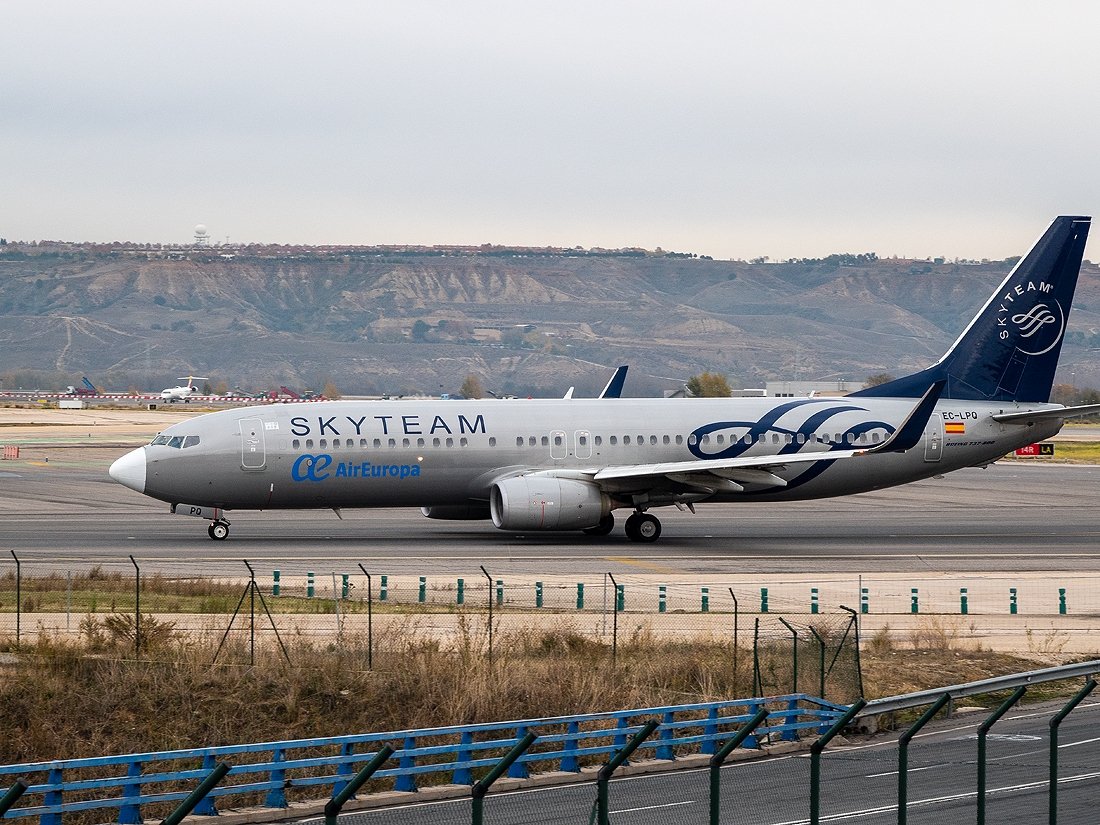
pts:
pixel 1009 352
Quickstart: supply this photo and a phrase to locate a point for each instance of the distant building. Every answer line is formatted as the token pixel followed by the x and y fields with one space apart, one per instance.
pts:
pixel 804 389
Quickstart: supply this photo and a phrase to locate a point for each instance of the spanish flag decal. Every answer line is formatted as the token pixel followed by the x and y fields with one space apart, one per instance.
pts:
pixel 954 427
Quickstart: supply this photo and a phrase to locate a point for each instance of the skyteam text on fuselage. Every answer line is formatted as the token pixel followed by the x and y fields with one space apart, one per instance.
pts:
pixel 567 464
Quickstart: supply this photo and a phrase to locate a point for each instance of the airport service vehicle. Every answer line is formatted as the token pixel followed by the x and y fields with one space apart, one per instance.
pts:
pixel 569 464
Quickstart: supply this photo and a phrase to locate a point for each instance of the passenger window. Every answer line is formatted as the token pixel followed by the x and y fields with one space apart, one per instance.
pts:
pixel 626 439
pixel 519 441
pixel 323 443
pixel 679 439
pixel 545 441
pixel 393 443
pixel 462 442
pixel 582 440
pixel 362 443
pixel 335 443
pixel 775 438
pixel 598 440
pixel 405 442
pixel 693 439
pixel 492 441
pixel 296 444
pixel 309 443
pixel 532 441
pixel 706 439
pixel 800 438
pixel 377 443
pixel 450 442
pixel 653 439
pixel 435 442
pixel 613 440
pixel 420 442
pixel 557 441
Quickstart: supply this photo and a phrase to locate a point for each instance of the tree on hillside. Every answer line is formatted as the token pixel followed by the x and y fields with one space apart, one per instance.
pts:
pixel 709 385
pixel 471 387
pixel 877 379
pixel 330 392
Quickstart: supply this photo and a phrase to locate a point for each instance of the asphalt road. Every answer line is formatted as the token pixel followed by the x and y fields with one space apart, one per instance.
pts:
pixel 1011 516
pixel 859 783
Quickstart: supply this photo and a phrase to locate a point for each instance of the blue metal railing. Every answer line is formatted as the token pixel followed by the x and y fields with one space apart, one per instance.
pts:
pixel 456 752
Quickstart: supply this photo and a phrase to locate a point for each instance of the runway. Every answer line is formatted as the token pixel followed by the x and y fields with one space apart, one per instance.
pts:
pixel 59 505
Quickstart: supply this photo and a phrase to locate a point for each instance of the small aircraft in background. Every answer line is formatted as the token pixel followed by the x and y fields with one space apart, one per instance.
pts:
pixel 184 392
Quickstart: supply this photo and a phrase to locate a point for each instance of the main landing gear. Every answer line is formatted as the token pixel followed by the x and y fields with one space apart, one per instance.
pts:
pixel 218 529
pixel 643 527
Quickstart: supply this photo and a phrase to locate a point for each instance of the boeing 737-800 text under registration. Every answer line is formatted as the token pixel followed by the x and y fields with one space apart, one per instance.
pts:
pixel 567 464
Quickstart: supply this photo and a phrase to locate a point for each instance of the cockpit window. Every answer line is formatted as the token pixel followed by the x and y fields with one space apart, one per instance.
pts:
pixel 190 441
pixel 176 441
pixel 160 439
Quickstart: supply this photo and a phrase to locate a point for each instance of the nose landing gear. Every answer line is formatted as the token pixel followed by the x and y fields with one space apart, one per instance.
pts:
pixel 643 527
pixel 218 529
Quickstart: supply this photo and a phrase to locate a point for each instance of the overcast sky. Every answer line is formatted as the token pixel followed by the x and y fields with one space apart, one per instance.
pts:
pixel 731 129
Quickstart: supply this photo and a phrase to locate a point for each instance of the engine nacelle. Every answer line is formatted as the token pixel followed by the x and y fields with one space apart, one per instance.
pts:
pixel 457 512
pixel 547 503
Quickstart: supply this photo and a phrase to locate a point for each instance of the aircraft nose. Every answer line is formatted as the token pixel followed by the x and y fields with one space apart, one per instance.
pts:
pixel 130 470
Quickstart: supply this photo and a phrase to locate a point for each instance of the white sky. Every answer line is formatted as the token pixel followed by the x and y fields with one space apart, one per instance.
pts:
pixel 731 129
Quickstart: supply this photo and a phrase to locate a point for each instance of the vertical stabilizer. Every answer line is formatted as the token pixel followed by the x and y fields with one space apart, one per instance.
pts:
pixel 1009 352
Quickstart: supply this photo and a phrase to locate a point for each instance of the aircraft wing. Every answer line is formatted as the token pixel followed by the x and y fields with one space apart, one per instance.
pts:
pixel 1031 416
pixel 730 473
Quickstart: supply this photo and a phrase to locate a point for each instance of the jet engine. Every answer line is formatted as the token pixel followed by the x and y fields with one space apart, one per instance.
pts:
pixel 547 503
pixel 456 512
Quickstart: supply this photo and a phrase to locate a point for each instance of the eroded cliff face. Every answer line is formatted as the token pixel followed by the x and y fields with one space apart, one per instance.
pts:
pixel 537 324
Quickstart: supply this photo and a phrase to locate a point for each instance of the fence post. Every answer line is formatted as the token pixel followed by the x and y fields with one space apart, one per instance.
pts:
pixel 275 582
pixel 460 592
pixel 580 595
pixel 736 613
pixel 538 594
pixel 794 654
pixel 309 584
pixel 422 591
pixel 815 758
pixel 820 663
pixel 500 592
pixel 859 662
pixel 604 776
pixel 614 623
pixel 864 600
pixel 489 598
pixel 813 600
pixel 1062 601
pixel 18 596
pixel 914 601
pixel 903 755
pixel 763 600
pixel 129 813
pixel 983 731
pixel 1054 723
pixel 12 796
pixel 344 586
pixel 662 596
pixel 1012 606
pixel 137 608
pixel 384 588
pixel 370 619
pixel 721 756
pixel 757 681
pixel 963 601
pixel 481 788
pixel 705 600
pixel 198 795
pixel 333 806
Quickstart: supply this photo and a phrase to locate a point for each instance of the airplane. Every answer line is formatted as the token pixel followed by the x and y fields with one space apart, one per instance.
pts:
pixel 184 392
pixel 568 464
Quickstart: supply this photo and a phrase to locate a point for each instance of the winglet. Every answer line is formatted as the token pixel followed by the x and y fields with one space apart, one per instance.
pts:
pixel 909 434
pixel 614 388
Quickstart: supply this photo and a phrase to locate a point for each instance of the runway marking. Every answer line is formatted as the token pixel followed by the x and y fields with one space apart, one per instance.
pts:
pixel 642 563
pixel 653 807
pixel 936 800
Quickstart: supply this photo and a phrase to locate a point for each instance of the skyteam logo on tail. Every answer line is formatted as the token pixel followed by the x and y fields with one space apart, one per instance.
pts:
pixel 1037 330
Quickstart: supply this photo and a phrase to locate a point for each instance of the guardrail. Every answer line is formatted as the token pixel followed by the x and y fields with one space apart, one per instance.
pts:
pixel 1010 682
pixel 564 743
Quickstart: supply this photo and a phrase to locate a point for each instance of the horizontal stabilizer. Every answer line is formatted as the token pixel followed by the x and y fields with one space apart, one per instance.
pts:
pixel 1050 414
pixel 909 434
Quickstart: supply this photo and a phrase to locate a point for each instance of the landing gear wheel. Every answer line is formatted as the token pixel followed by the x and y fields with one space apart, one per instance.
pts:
pixel 606 525
pixel 643 527
pixel 218 530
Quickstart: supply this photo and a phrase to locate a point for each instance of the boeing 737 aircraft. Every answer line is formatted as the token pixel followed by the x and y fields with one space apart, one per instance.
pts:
pixel 567 464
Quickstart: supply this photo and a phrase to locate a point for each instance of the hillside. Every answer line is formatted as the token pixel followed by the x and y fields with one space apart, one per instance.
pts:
pixel 526 321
